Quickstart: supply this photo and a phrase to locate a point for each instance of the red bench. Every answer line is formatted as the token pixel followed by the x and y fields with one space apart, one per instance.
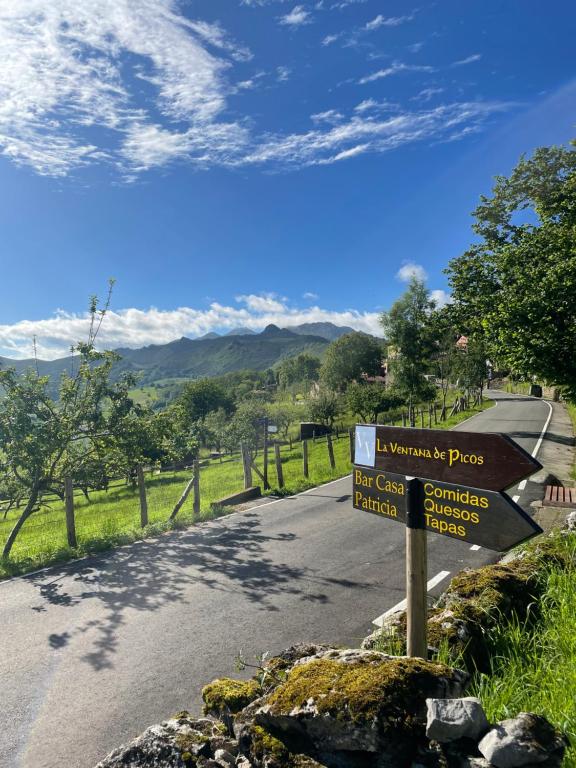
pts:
pixel 558 496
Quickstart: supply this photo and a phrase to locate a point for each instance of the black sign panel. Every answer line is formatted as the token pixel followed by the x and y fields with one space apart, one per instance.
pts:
pixel 491 461
pixel 488 519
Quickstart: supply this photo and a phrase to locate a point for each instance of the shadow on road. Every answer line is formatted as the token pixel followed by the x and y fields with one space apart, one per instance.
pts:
pixel 152 574
pixel 551 436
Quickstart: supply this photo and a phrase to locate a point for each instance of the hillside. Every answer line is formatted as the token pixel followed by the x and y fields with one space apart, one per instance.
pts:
pixel 193 358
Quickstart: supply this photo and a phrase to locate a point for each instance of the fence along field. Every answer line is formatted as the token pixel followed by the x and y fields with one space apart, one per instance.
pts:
pixel 114 516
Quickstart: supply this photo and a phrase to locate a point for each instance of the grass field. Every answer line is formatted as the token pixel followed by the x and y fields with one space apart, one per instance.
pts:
pixel 112 517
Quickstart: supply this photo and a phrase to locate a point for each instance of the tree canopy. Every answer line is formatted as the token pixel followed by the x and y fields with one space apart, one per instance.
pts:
pixel 516 287
pixel 349 358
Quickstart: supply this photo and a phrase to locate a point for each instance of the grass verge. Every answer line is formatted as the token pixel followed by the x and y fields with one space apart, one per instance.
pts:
pixel 533 662
pixel 112 518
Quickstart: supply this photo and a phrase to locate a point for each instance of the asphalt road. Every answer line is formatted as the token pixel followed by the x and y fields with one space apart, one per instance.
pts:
pixel 94 652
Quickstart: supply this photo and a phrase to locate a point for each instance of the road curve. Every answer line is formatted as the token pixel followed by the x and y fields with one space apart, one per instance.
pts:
pixel 95 651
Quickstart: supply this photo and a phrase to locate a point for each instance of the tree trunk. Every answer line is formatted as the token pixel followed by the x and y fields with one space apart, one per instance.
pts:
pixel 26 512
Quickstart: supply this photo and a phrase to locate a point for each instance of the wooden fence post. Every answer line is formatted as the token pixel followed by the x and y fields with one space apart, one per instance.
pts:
pixel 247 467
pixel 143 499
pixel 70 522
pixel 279 473
pixel 330 451
pixel 422 417
pixel 435 414
pixel 416 572
pixel 403 418
pixel 429 417
pixel 182 499
pixel 196 488
pixel 351 438
pixel 305 458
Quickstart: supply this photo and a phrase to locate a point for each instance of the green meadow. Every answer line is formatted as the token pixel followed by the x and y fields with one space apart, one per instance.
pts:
pixel 110 518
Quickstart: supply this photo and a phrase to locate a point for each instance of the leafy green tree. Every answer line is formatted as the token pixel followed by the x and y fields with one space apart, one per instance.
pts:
pixel 246 425
pixel 303 369
pixel 407 328
pixel 516 287
pixel 367 401
pixel 215 427
pixel 471 365
pixel 283 415
pixel 349 358
pixel 445 353
pixel 325 406
pixel 201 397
pixel 43 440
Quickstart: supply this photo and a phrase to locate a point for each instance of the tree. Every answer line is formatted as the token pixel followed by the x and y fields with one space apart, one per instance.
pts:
pixel 367 401
pixel 302 369
pixel 349 358
pixel 283 415
pixel 324 406
pixel 42 440
pixel 471 364
pixel 408 331
pixel 445 355
pixel 247 424
pixel 201 397
pixel 516 288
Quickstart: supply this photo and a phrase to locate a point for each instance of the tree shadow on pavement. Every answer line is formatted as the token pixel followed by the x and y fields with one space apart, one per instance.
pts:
pixel 233 557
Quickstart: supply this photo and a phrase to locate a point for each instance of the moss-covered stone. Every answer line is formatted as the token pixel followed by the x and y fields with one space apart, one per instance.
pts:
pixel 392 689
pixel 228 695
pixel 264 744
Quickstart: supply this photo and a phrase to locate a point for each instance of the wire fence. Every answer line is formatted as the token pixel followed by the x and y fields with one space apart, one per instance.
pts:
pixel 114 515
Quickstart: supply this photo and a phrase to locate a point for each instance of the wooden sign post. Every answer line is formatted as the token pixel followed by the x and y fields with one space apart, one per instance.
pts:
pixel 449 483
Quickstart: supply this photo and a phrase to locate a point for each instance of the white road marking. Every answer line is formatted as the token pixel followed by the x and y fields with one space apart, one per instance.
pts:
pixel 516 498
pixel 475 547
pixel 401 606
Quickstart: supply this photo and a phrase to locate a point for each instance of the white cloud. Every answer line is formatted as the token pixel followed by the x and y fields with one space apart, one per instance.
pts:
pixel 329 39
pixel 371 105
pixel 364 133
pixel 64 70
pixel 262 303
pixel 409 270
pixel 387 21
pixel 136 328
pixel 394 69
pixel 330 116
pixel 440 297
pixel 310 296
pixel 71 95
pixel 468 60
pixel 426 94
pixel 283 74
pixel 297 17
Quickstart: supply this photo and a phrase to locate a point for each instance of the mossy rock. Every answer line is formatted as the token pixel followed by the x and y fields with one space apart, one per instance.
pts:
pixel 264 744
pixel 226 695
pixel 362 692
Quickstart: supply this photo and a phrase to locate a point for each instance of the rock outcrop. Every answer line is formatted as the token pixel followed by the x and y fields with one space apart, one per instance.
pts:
pixel 319 707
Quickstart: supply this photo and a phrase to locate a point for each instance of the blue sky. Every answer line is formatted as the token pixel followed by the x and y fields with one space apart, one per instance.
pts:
pixel 238 163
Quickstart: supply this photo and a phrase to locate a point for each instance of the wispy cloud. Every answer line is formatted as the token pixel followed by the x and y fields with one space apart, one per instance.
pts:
pixel 71 95
pixel 297 17
pixel 409 270
pixel 329 39
pixel 388 21
pixel 136 327
pixel 468 60
pixel 310 296
pixel 395 69
pixel 360 133
pixel 426 94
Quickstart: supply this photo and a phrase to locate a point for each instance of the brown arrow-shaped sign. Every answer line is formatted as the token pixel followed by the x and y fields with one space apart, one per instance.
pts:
pixel 475 516
pixel 475 459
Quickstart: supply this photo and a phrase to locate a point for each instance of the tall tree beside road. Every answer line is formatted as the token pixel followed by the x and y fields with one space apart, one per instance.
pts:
pixel 407 328
pixel 42 440
pixel 517 286
pixel 349 358
pixel 367 400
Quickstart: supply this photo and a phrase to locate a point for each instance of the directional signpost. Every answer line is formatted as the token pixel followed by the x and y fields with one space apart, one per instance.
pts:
pixel 449 483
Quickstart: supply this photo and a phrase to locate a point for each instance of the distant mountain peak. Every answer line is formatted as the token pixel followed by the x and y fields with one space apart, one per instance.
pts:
pixel 241 332
pixel 273 330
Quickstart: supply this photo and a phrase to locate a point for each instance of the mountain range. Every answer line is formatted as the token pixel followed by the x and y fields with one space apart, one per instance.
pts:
pixel 210 355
